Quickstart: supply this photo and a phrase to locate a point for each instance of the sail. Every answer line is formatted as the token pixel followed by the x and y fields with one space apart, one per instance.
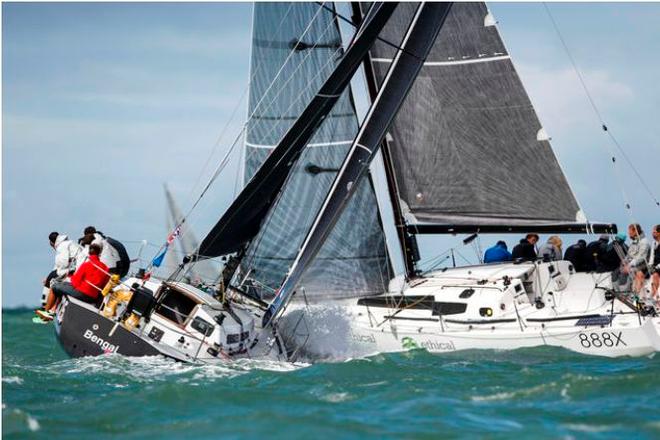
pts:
pixel 467 145
pixel 354 260
pixel 417 43
pixel 186 244
pixel 243 220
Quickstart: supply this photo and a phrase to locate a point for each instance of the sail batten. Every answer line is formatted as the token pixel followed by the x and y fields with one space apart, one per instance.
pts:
pixel 466 145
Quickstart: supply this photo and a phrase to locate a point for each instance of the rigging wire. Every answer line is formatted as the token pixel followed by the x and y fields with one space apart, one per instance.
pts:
pixel 599 116
pixel 235 110
pixel 379 38
pixel 225 159
pixel 250 259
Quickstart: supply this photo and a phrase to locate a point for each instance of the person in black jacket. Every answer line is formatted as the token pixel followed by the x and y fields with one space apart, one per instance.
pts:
pixel 595 251
pixel 577 254
pixel 526 249
pixel 611 259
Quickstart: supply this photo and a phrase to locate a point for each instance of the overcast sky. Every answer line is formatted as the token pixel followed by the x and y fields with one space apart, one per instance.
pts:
pixel 103 103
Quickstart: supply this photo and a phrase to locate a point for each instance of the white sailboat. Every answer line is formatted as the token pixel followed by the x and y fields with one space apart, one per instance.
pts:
pixel 464 153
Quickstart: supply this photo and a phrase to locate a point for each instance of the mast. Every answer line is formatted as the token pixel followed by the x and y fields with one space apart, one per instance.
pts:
pixel 424 27
pixel 407 240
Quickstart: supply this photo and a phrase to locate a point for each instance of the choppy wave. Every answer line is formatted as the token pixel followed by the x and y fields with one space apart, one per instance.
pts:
pixel 541 392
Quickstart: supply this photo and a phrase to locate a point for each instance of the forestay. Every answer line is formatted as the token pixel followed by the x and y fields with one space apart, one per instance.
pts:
pixel 467 145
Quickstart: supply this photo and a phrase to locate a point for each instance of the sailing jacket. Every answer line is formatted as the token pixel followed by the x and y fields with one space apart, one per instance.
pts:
pixel 638 252
pixel 594 254
pixel 550 251
pixel 66 255
pixel 496 254
pixel 611 259
pixel 524 250
pixel 113 254
pixel 91 277
pixel 577 254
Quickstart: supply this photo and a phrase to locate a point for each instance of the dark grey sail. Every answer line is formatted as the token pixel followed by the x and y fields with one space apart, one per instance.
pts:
pixel 354 260
pixel 427 21
pixel 243 220
pixel 467 146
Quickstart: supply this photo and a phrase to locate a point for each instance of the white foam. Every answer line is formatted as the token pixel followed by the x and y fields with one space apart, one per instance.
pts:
pixel 159 368
pixel 32 423
pixel 518 393
pixel 583 427
pixel 336 397
pixel 13 379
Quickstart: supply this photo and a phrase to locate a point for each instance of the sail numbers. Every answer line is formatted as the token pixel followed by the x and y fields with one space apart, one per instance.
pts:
pixel 601 339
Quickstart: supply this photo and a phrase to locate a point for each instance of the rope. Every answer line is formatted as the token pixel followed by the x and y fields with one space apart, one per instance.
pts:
pixel 602 122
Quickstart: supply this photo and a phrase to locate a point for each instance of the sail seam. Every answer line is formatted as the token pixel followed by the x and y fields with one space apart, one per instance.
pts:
pixel 453 62
pixel 318 144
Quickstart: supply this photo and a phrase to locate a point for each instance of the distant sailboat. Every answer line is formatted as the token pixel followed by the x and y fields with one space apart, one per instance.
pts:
pixel 205 272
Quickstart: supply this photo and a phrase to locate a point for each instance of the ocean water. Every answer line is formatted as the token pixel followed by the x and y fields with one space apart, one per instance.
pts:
pixel 530 393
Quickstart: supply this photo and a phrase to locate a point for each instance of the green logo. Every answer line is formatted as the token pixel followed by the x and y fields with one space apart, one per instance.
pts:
pixel 409 343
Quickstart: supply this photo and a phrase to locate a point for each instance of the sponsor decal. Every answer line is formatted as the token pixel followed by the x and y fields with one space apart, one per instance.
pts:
pixel 106 346
pixel 408 343
pixel 438 346
pixel 364 339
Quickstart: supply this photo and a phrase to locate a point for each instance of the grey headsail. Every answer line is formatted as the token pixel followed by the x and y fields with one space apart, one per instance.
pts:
pixel 427 21
pixel 467 145
pixel 242 220
pixel 354 260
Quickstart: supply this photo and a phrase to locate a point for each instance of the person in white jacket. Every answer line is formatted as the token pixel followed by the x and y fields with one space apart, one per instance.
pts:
pixel 636 264
pixel 109 255
pixel 67 254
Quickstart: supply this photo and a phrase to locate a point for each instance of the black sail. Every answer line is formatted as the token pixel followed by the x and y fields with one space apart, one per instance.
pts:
pixel 354 261
pixel 467 145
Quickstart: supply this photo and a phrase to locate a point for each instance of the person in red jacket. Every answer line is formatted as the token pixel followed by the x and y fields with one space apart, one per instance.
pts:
pixel 86 283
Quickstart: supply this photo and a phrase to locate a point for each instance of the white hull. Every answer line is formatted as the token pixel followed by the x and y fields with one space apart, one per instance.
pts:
pixel 508 307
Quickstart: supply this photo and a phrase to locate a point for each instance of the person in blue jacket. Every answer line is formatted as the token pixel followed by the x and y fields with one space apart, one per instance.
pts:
pixel 497 253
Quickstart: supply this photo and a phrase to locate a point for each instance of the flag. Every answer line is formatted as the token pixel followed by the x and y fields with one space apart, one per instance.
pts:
pixel 158 260
pixel 174 234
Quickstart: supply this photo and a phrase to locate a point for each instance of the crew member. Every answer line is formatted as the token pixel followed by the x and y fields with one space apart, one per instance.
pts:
pixel 497 253
pixel 595 251
pixel 66 257
pixel 577 254
pixel 636 263
pixel 526 249
pixel 86 283
pixel 614 254
pixel 551 250
pixel 114 253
